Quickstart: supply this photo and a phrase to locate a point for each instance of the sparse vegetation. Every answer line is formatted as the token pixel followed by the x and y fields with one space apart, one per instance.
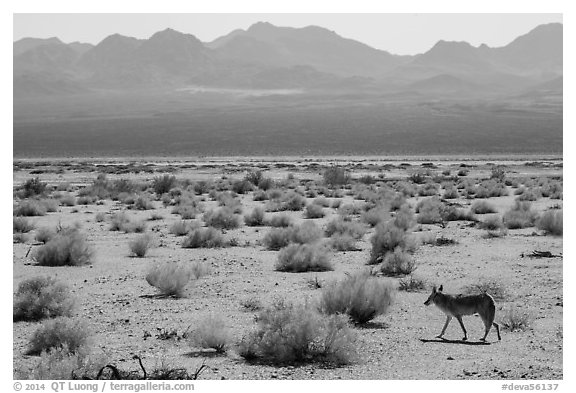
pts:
pixel 515 320
pixel 293 334
pixel 223 218
pixel 68 247
pixel 398 263
pixel 519 216
pixel 360 296
pixel 211 333
pixel 140 245
pixel 551 222
pixel 59 333
pixel 204 238
pixel 297 258
pixel 42 297
pixel 255 218
pixel 171 278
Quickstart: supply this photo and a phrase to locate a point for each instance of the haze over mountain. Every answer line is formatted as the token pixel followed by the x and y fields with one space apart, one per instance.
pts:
pixel 268 71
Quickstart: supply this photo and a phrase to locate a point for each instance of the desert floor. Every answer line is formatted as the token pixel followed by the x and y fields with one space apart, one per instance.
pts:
pixel 125 317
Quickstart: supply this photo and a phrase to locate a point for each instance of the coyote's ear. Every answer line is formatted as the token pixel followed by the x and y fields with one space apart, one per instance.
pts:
pixel 441 288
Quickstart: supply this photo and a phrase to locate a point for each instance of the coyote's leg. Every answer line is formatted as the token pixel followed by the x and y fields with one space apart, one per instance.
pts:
pixel 497 330
pixel 448 319
pixel 459 318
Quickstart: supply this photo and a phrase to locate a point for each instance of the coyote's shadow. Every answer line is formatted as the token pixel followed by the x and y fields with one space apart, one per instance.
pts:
pixel 446 341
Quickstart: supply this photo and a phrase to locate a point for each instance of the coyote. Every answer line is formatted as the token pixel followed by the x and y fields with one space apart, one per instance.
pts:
pixel 460 305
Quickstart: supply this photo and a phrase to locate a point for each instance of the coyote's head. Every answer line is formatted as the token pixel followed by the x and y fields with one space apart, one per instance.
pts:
pixel 433 295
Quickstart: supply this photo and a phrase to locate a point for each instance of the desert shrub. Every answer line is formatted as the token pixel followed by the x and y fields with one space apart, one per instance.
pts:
pixel 463 172
pixel 530 194
pixel 86 200
pixel 30 208
pixel 163 184
pixel 292 334
pixel 186 212
pixel 321 201
pixel 451 213
pixel 242 186
pixel 181 228
pixel 336 203
pixel 42 297
pixel 350 210
pixel 341 242
pixel 551 222
pixel 491 223
pixel 429 211
pixel 428 189
pixel 20 237
pixel 204 238
pixel 277 238
pixel 520 216
pixel 223 218
pixel 58 333
pixel 59 364
pixel 51 205
pixel 404 218
pixel 482 207
pixel 498 173
pixel 336 176
pixel 515 320
pixel 67 248
pixel 254 177
pixel 259 195
pixel 398 263
pixel 385 240
pixel 44 235
pixel 491 287
pixel 33 187
pixel 255 218
pixel 450 193
pixel 140 245
pixel 171 278
pixel 297 258
pixel 212 332
pixel 307 232
pixel 293 202
pixel 341 227
pixel 314 211
pixel 360 296
pixel 417 177
pixel 67 200
pixel 21 225
pixel 375 216
pixel 411 284
pixel 279 221
pixel 143 203
pixel 121 222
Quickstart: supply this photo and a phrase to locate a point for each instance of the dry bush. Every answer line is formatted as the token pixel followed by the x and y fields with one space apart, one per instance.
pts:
pixel 482 207
pixel 182 228
pixel 140 245
pixel 339 226
pixel 515 320
pixel 121 222
pixel 492 223
pixel 21 225
pixel 520 216
pixel 60 364
pixel 211 333
pixel 404 218
pixel 42 297
pixel 293 201
pixel 163 184
pixel 376 215
pixel 360 296
pixel 307 232
pixel 143 203
pixel 314 211
pixel 398 263
pixel 242 186
pixel 59 333
pixel 67 200
pixel 223 218
pixel 171 278
pixel 277 238
pixel 279 221
pixel 67 248
pixel 386 239
pixel 297 258
pixel 411 284
pixel 340 242
pixel 255 218
pixel 100 217
pixel 336 176
pixel 251 304
pixel 450 193
pixel 429 211
pixel 32 187
pixel 551 222
pixel 321 201
pixel 530 194
pixel 204 238
pixel 491 287
pixel 289 334
pixel 30 209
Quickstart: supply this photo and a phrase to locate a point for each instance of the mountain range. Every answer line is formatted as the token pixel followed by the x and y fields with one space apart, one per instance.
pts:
pixel 265 56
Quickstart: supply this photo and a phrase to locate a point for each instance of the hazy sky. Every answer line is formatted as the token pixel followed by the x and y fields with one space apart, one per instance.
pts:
pixel 396 33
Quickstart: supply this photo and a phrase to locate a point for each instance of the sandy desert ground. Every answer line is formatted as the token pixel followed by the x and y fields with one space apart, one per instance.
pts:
pixel 126 317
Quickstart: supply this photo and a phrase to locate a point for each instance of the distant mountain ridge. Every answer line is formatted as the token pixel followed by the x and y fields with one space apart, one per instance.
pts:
pixel 268 56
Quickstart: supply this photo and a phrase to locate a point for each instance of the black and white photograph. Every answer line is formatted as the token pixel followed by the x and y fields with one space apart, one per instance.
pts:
pixel 235 196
